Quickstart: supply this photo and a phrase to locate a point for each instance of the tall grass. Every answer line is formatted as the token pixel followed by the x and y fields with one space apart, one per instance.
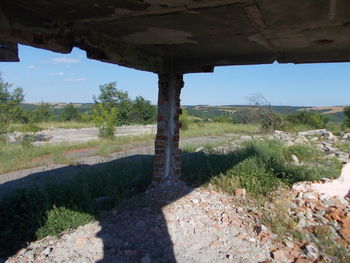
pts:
pixel 260 167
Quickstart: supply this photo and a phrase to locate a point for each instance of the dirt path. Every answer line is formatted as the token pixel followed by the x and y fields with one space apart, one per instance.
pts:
pixel 83 159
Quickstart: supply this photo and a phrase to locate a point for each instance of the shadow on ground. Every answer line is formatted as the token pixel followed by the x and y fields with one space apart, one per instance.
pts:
pixel 135 230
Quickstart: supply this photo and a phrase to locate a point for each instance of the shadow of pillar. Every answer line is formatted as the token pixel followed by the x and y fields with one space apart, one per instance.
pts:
pixel 137 231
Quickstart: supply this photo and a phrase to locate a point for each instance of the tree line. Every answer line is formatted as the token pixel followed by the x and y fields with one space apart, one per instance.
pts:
pixel 112 107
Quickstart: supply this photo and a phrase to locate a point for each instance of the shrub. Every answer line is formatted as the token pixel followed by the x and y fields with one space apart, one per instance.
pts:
pixel 105 119
pixel 59 219
pixel 223 119
pixel 311 119
pixel 184 120
pixel 70 113
pixel 259 166
pixel 346 123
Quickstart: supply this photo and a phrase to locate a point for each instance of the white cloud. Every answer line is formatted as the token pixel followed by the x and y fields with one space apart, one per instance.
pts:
pixel 65 60
pixel 77 79
pixel 30 67
pixel 56 74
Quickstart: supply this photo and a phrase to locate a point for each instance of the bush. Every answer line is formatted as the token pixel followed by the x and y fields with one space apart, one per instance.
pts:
pixel 346 123
pixel 59 219
pixel 224 119
pixel 311 119
pixel 259 166
pixel 70 113
pixel 105 119
pixel 184 120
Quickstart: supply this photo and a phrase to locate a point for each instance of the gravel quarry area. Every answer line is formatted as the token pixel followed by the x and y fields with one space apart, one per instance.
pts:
pixel 53 136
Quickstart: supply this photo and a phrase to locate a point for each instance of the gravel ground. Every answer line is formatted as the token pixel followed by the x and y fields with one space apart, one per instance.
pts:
pixel 166 224
pixel 87 134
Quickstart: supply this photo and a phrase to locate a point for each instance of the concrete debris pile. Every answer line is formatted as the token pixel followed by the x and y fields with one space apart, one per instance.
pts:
pixel 166 224
pixel 321 139
pixel 319 218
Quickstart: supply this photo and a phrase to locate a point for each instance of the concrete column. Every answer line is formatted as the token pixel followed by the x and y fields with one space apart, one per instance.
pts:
pixel 167 162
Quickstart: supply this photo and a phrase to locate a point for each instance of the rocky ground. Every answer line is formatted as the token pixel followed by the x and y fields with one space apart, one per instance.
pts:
pixel 166 224
pixel 176 223
pixel 322 220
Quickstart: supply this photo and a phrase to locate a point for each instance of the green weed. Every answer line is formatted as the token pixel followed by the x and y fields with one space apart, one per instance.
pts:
pixel 31 213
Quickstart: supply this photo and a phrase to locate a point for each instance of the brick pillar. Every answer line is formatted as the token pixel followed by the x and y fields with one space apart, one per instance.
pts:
pixel 167 162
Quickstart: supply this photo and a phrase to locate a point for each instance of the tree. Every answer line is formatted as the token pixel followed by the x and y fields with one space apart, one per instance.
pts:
pixel 346 123
pixel 41 113
pixel 10 109
pixel 142 111
pixel 312 119
pixel 70 113
pixel 269 119
pixel 110 97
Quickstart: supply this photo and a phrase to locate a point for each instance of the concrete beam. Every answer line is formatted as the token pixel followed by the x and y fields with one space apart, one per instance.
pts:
pixel 167 163
pixel 8 52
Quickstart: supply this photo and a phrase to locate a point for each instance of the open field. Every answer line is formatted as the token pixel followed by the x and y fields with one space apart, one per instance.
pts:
pixel 327 110
pixel 25 155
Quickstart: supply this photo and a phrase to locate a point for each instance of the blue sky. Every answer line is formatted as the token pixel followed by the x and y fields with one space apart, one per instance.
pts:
pixel 53 77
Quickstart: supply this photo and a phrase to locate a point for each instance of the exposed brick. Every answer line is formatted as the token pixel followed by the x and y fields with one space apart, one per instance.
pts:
pixel 168 98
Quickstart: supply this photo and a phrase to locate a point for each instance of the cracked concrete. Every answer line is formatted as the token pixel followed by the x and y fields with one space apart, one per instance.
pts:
pixel 181 36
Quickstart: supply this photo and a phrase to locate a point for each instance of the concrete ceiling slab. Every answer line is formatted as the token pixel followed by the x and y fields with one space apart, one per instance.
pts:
pixel 182 35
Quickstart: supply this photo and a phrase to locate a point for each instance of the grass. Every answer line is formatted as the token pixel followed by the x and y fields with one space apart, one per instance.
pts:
pixel 34 213
pixel 328 245
pixel 16 157
pixel 265 170
pixel 214 128
pixel 190 148
pixel 21 156
pixel 343 146
pixel 260 167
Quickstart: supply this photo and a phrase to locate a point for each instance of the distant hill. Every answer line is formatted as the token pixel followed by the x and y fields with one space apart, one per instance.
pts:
pixel 58 107
pixel 209 112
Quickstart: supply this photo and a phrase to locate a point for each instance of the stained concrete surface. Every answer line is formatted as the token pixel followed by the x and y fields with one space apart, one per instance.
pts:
pixel 181 36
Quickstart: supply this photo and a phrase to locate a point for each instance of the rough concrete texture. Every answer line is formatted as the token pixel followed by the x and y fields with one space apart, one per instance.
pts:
pixel 181 35
pixel 168 224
